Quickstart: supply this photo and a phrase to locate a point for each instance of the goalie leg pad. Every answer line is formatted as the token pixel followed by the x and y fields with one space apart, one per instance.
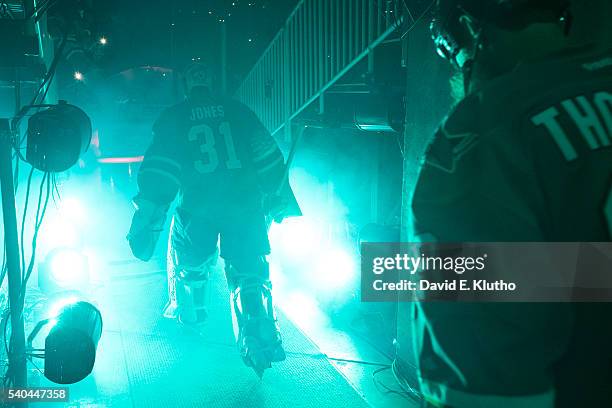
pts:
pixel 192 296
pixel 188 286
pixel 255 326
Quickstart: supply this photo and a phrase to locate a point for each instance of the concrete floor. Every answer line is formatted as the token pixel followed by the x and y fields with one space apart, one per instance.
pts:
pixel 368 370
pixel 146 361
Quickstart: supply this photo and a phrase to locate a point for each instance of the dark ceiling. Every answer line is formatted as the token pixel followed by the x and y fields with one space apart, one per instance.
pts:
pixel 169 33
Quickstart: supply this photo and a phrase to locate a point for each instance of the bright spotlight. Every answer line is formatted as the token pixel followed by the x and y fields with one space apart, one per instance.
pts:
pixel 78 75
pixel 334 269
pixel 63 269
pixel 58 232
pixel 72 209
pixel 295 237
pixel 70 346
pixel 103 41
pixel 64 227
pixel 68 266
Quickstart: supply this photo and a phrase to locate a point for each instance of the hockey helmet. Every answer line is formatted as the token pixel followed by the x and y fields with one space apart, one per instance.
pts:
pixel 457 24
pixel 198 75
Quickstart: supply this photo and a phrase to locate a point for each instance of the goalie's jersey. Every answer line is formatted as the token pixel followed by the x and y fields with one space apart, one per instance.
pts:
pixel 527 158
pixel 212 154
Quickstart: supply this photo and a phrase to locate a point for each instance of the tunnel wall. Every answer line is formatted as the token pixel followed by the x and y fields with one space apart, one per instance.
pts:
pixel 427 102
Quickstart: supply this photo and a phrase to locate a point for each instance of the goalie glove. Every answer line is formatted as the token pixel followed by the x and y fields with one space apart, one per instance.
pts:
pixel 281 204
pixel 147 225
pixel 275 207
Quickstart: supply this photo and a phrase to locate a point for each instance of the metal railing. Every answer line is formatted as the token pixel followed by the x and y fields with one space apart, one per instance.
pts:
pixel 320 41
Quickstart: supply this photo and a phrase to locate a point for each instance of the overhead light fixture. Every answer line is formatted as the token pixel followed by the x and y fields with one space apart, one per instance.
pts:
pixel 103 41
pixel 78 75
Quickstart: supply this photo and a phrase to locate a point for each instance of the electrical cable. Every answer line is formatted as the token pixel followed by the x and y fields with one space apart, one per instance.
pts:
pixel 404 385
pixel 56 191
pixel 37 224
pixel 23 219
pixel 5 329
pixel 49 75
pixel 29 184
pixel 40 213
pixel 60 52
pixel 387 389
pixel 45 183
pixel 35 366
pixel 46 180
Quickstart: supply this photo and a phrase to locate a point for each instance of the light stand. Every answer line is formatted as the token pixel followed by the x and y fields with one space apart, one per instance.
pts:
pixel 17 352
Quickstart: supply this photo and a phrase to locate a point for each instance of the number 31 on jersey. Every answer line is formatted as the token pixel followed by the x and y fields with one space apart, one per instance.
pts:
pixel 210 160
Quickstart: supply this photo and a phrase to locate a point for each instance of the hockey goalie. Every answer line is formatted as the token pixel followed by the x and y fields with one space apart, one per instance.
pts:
pixel 228 176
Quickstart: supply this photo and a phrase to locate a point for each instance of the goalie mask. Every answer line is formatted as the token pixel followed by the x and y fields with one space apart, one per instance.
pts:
pixel 457 24
pixel 198 78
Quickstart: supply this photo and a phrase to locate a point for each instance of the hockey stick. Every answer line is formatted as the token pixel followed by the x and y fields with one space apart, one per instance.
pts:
pixel 290 158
